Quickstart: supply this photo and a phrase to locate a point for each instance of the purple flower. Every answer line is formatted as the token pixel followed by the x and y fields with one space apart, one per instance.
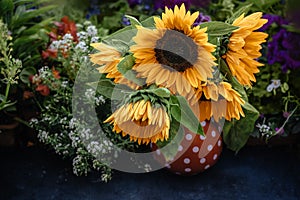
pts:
pixel 133 3
pixel 93 9
pixel 125 21
pixel 170 3
pixel 201 19
pixel 273 19
pixel 286 114
pixel 279 131
pixel 200 3
pixel 284 49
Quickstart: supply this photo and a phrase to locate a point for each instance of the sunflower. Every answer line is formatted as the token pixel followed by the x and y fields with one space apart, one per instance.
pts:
pixel 109 58
pixel 141 121
pixel 219 101
pixel 244 46
pixel 175 54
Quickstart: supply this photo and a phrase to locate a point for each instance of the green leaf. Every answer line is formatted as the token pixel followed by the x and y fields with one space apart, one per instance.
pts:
pixel 125 67
pixel 125 34
pixel 120 45
pixel 22 16
pixel 8 105
pixel 133 21
pixel 110 90
pixel 292 28
pixel 217 28
pixel 239 88
pixel 182 113
pixel 239 12
pixel 26 72
pixel 161 92
pixel 6 6
pixel 126 64
pixel 149 22
pixel 237 132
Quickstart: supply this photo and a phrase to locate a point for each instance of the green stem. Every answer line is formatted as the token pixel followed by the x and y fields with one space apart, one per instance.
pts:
pixel 7 91
pixel 287 119
pixel 22 121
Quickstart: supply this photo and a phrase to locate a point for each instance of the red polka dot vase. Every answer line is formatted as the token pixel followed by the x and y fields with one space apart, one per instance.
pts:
pixel 196 153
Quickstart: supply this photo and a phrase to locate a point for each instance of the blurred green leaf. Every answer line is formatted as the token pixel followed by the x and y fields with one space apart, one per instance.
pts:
pixel 161 92
pixel 133 21
pixel 26 73
pixel 244 9
pixel 218 28
pixel 125 67
pixel 181 112
pixel 149 22
pixel 237 132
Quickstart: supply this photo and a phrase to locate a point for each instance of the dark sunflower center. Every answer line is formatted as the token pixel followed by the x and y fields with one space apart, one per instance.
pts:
pixel 176 50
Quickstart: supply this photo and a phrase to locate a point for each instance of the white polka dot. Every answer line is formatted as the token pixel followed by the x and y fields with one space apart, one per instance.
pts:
pixel 188 136
pixel 195 149
pixel 219 143
pixel 178 173
pixel 187 169
pixel 186 160
pixel 207 166
pixel 215 156
pixel 220 129
pixel 180 148
pixel 213 133
pixel 167 166
pixel 202 160
pixel 202 137
pixel 158 152
pixel 209 147
pixel 203 123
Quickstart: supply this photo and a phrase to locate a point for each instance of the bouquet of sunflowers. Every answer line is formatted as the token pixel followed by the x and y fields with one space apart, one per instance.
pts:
pixel 164 72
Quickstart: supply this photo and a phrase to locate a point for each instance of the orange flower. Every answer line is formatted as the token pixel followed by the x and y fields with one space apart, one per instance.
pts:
pixel 43 89
pixel 55 73
pixel 244 46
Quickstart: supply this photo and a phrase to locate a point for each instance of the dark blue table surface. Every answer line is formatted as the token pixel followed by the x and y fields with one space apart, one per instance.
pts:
pixel 258 172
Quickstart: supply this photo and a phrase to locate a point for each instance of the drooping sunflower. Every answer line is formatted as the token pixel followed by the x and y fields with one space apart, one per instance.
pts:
pixel 175 54
pixel 108 58
pixel 143 122
pixel 244 47
pixel 219 100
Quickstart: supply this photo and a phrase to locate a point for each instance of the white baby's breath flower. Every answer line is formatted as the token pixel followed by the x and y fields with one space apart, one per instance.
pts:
pixel 33 121
pixel 67 38
pixel 95 39
pixel 92 31
pixel 82 36
pixel 82 46
pixel 87 23
pixel 64 84
pixel 99 100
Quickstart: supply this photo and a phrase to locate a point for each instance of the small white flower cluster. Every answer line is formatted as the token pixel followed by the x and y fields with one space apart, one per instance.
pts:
pixel 33 122
pixel 81 46
pixel 264 129
pixel 86 36
pixel 62 45
pixel 43 73
pixel 43 136
pixel 97 148
pixel 64 84
pixel 90 95
pixel 79 166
